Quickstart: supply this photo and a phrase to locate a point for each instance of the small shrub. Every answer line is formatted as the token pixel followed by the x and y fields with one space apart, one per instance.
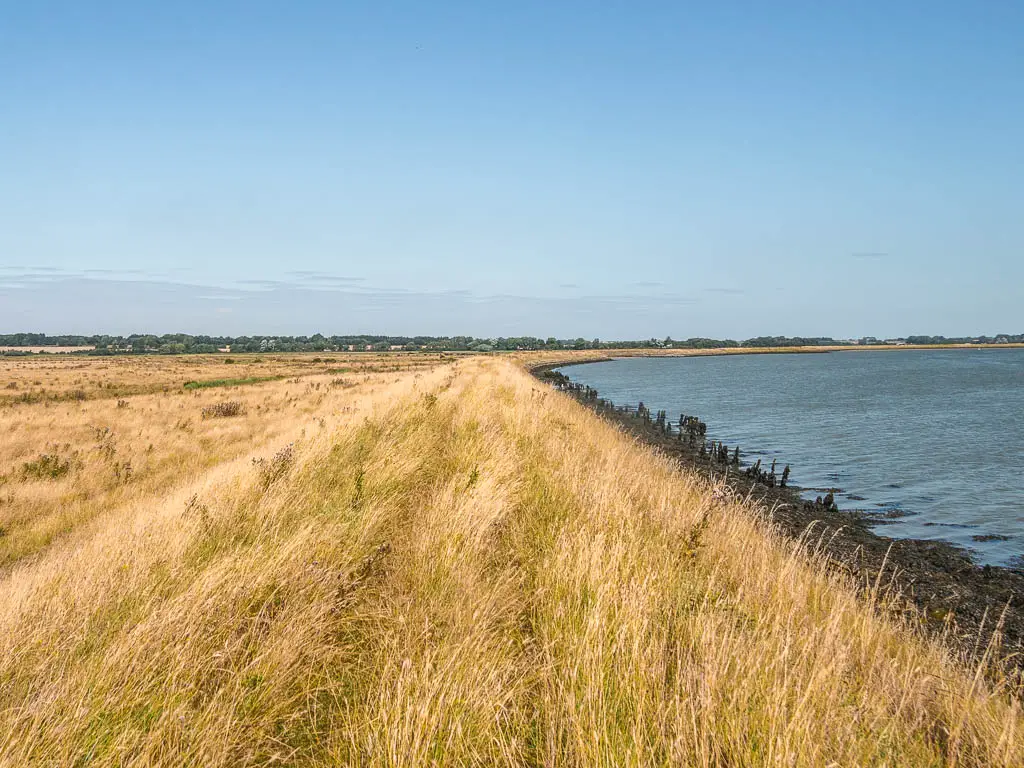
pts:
pixel 122 403
pixel 273 469
pixel 105 443
pixel 47 467
pixel 223 409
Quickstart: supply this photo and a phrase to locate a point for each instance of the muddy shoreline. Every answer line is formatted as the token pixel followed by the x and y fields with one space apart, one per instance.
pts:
pixel 939 582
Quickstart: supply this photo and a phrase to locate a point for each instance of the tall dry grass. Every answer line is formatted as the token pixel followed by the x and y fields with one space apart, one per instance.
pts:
pixel 465 568
pixel 62 463
pixel 53 379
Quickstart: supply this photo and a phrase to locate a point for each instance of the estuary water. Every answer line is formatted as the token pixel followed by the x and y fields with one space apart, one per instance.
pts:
pixel 931 441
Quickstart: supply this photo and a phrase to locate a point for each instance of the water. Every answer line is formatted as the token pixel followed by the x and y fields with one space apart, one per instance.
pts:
pixel 934 438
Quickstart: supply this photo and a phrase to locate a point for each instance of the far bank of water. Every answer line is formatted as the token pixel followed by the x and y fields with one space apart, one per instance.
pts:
pixel 930 441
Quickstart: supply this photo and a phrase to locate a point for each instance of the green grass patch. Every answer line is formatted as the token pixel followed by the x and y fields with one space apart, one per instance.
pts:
pixel 229 382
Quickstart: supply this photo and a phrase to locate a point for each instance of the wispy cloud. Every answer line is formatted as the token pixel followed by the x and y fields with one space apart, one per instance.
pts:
pixel 39 277
pixel 121 272
pixel 85 303
pixel 266 284
pixel 729 291
pixel 307 275
pixel 648 284
pixel 58 273
pixel 306 280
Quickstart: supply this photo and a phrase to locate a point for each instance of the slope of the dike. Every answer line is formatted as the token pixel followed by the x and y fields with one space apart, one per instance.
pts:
pixel 977 609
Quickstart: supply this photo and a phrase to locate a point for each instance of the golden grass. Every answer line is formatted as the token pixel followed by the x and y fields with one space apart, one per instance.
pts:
pixel 461 567
pixel 49 379
pixel 119 447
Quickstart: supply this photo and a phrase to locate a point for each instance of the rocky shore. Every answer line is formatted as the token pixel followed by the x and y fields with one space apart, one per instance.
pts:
pixel 978 610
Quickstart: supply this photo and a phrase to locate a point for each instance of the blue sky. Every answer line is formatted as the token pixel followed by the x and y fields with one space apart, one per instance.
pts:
pixel 628 170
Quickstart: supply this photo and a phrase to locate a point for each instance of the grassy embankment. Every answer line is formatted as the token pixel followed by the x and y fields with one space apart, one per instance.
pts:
pixel 456 566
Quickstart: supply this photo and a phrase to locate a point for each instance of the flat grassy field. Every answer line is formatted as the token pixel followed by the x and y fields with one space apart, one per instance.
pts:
pixel 412 561
pixel 86 435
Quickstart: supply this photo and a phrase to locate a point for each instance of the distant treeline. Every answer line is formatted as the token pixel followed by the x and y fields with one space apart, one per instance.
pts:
pixel 181 343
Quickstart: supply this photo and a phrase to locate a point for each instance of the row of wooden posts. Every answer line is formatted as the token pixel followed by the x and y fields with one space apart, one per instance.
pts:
pixel 688 428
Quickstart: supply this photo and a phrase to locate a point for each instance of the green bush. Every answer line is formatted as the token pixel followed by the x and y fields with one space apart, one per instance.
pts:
pixel 47 467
